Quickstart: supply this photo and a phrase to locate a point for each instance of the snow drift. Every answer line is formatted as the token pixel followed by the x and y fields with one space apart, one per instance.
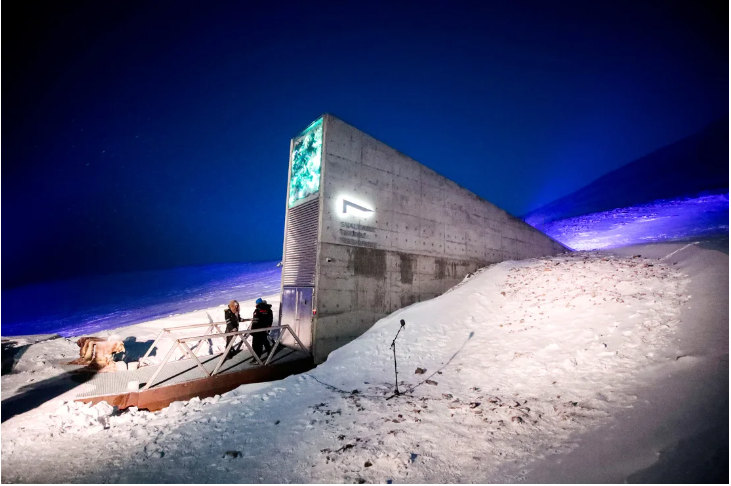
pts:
pixel 92 304
pixel 665 220
pixel 686 168
pixel 517 358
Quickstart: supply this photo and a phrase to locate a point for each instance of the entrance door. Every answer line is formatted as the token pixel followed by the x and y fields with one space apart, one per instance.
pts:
pixel 297 313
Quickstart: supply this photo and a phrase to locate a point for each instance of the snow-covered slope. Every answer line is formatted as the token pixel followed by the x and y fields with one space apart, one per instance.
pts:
pixel 677 430
pixel 683 169
pixel 33 368
pixel 92 304
pixel 664 220
pixel 518 358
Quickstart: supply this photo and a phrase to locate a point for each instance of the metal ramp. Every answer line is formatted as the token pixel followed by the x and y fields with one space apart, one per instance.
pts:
pixel 176 372
pixel 156 386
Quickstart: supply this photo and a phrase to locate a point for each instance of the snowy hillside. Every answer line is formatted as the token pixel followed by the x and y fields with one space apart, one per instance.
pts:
pixel 663 220
pixel 518 359
pixel 92 304
pixel 696 164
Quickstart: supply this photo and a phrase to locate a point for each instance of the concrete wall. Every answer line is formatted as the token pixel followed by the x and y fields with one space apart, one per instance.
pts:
pixel 424 235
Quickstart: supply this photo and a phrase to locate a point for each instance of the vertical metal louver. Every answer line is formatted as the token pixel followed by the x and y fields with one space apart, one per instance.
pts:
pixel 300 253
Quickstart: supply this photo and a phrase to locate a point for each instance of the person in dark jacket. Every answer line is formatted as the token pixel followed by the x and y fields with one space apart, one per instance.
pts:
pixel 232 320
pixel 262 318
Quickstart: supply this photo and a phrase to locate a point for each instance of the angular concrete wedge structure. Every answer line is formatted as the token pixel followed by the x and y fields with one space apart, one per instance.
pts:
pixel 369 230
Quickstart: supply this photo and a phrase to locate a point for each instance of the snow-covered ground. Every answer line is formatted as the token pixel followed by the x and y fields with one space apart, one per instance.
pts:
pixel 88 305
pixel 663 220
pixel 37 361
pixel 522 360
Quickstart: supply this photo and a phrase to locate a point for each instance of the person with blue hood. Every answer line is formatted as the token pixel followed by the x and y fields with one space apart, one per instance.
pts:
pixel 262 318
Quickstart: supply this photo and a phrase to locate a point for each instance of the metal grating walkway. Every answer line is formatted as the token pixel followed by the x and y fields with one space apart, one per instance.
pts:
pixel 176 372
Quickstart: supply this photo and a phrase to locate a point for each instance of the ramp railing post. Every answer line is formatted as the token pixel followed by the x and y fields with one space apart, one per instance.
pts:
pixel 248 346
pixel 274 349
pixel 159 368
pixel 187 351
pixel 297 339
pixel 153 344
pixel 198 344
pixel 225 354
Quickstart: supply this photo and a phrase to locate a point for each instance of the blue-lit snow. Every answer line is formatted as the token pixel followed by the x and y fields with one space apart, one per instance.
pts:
pixel 88 305
pixel 658 221
pixel 93 304
pixel 528 354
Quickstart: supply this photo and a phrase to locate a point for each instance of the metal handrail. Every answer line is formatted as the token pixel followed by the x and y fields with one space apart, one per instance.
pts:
pixel 210 327
pixel 180 344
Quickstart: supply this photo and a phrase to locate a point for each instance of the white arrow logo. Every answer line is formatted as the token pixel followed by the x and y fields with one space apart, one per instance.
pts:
pixel 347 203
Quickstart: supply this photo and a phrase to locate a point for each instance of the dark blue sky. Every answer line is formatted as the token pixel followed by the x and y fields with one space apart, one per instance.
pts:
pixel 144 135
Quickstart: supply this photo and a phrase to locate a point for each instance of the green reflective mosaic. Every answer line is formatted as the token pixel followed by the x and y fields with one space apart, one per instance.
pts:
pixel 306 157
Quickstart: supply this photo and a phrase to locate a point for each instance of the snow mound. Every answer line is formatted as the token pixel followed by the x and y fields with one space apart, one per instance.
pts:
pixel 663 220
pixel 527 323
pixel 78 417
pixel 501 370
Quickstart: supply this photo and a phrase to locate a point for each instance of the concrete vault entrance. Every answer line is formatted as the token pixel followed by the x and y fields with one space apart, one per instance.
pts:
pixel 369 230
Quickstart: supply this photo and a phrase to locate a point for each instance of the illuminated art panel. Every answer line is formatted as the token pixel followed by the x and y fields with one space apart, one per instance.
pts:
pixel 306 158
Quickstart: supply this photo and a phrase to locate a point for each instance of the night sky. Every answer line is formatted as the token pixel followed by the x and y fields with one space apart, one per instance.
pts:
pixel 142 135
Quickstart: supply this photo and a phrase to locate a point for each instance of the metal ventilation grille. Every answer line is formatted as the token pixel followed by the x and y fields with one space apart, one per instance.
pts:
pixel 300 254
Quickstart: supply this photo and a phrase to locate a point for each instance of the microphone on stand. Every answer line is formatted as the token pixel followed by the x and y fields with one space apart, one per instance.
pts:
pixel 395 366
